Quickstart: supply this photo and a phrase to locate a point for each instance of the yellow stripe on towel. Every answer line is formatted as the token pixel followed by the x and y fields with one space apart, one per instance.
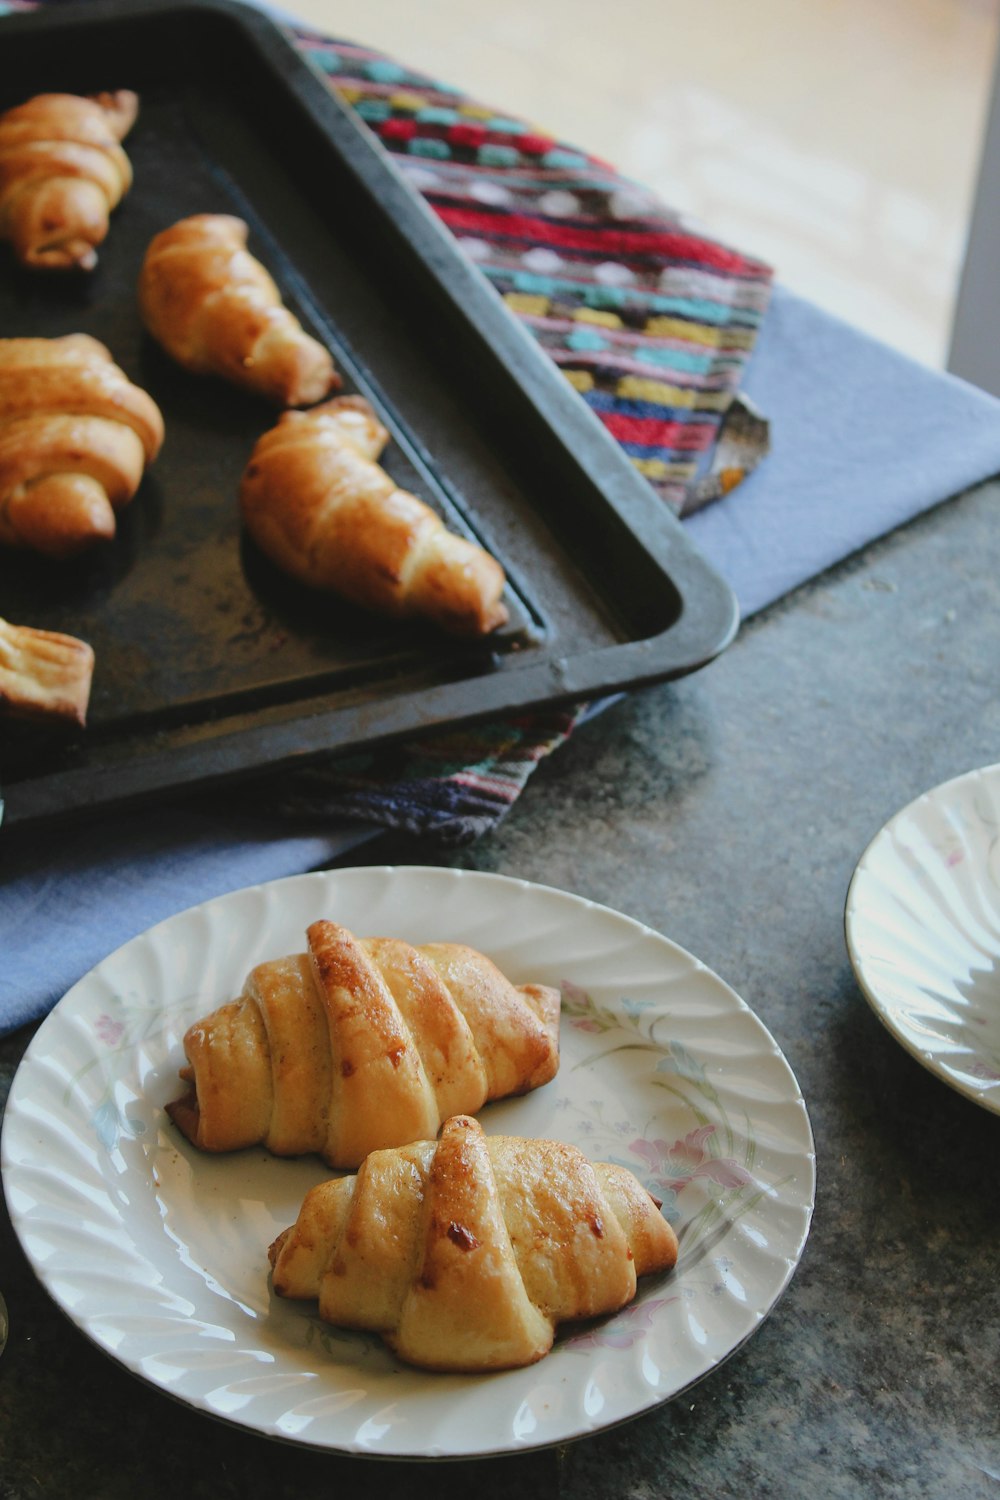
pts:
pixel 529 303
pixel 593 315
pixel 639 388
pixel 658 468
pixel 700 333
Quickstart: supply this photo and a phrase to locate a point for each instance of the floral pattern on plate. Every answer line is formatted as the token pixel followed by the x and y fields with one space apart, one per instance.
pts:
pixel 160 1252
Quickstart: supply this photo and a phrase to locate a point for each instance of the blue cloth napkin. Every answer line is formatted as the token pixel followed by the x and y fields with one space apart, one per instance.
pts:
pixel 862 439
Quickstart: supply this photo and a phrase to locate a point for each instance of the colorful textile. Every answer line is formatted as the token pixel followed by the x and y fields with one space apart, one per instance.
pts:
pixel 454 787
pixel 650 322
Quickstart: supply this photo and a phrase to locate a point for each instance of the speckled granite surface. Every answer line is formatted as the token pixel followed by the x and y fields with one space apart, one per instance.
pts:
pixel 727 810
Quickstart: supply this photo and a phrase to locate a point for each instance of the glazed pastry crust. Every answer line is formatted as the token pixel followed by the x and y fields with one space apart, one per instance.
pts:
pixel 467 1252
pixel 44 675
pixel 360 1044
pixel 317 502
pixel 215 310
pixel 62 173
pixel 75 438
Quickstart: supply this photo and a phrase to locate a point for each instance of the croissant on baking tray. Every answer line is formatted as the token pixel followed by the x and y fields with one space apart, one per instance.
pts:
pixel 316 501
pixel 44 675
pixel 62 172
pixel 216 311
pixel 75 438
pixel 362 1043
pixel 466 1252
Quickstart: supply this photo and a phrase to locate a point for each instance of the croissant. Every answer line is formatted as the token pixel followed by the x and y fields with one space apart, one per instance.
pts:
pixel 62 172
pixel 44 675
pixel 464 1253
pixel 316 501
pixel 75 437
pixel 216 311
pixel 359 1044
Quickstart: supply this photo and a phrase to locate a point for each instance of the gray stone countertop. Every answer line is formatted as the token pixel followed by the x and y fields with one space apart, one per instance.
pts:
pixel 728 811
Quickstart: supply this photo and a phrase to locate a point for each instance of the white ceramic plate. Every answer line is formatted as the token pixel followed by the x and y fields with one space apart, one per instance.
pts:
pixel 159 1253
pixel 923 931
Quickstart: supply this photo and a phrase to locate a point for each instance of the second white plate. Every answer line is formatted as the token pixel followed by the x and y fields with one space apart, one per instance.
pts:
pixel 923 931
pixel 159 1253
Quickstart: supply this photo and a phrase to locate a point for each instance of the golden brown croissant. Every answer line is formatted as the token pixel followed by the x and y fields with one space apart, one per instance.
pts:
pixel 216 311
pixel 316 501
pixel 44 675
pixel 465 1253
pixel 62 172
pixel 360 1044
pixel 75 437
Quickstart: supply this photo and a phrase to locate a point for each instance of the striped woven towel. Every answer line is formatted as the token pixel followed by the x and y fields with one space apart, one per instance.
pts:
pixel 651 323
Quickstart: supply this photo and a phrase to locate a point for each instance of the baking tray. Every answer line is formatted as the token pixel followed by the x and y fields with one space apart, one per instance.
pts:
pixel 209 664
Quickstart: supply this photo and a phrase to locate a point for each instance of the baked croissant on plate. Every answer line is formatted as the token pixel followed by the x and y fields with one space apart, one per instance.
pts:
pixel 464 1253
pixel 359 1044
pixel 75 438
pixel 62 172
pixel 216 311
pixel 316 501
pixel 44 675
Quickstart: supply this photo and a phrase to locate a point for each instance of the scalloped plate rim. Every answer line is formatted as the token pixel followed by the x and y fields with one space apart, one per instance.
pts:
pixel 926 1056
pixel 504 1444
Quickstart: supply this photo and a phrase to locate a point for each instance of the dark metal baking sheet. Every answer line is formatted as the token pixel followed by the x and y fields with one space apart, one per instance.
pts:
pixel 209 663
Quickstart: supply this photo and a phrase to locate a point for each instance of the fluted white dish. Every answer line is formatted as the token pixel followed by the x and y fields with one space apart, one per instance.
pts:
pixel 923 931
pixel 159 1252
